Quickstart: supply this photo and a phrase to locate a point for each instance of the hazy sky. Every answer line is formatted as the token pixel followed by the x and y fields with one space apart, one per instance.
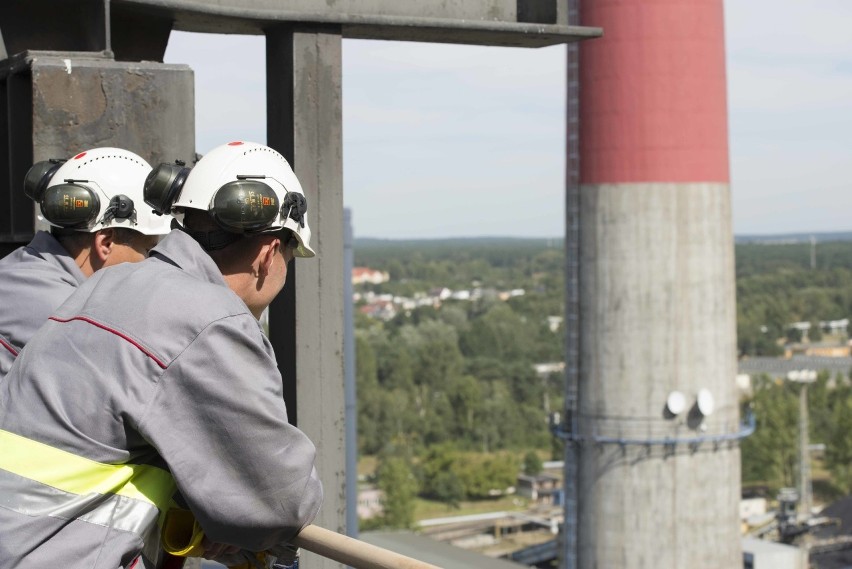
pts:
pixel 445 141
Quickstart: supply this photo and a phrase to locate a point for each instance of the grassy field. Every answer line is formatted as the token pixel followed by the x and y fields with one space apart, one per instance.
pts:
pixel 425 509
pixel 367 465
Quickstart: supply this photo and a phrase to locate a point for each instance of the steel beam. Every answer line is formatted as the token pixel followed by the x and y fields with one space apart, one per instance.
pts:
pixel 518 23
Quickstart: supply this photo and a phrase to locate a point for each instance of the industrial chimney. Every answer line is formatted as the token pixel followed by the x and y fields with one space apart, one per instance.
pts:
pixel 652 405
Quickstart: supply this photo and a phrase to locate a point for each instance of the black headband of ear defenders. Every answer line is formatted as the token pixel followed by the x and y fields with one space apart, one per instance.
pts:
pixel 210 240
pixel 219 238
pixel 243 208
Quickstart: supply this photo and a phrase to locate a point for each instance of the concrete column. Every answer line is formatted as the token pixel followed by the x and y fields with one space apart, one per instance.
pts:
pixel 656 290
pixel 147 108
pixel 54 104
pixel 304 122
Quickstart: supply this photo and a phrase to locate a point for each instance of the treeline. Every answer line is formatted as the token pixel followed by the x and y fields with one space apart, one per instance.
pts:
pixel 442 390
pixel 448 398
pixel 461 373
pixel 776 283
pixel 462 263
pixel 776 286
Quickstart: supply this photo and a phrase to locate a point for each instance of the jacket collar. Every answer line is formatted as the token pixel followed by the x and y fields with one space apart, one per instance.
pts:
pixel 48 248
pixel 184 252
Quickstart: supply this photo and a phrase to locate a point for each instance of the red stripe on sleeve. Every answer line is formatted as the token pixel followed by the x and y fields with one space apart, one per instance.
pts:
pixel 8 347
pixel 124 337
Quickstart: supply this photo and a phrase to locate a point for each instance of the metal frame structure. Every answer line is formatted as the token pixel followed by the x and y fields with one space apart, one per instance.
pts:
pixel 573 251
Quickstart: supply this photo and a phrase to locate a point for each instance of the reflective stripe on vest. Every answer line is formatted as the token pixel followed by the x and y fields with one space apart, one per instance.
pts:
pixel 40 480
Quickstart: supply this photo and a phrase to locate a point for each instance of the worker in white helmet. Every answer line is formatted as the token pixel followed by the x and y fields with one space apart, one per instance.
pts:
pixel 157 376
pixel 94 205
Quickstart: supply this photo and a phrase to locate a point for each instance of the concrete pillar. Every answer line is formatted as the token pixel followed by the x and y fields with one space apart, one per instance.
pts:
pixel 54 104
pixel 147 108
pixel 656 289
pixel 304 123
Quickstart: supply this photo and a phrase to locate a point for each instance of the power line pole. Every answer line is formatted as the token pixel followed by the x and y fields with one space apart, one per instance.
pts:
pixel 813 252
pixel 805 490
pixel 804 377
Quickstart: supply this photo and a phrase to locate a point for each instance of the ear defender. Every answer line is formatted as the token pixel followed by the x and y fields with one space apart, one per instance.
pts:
pixel 70 205
pixel 39 176
pixel 163 185
pixel 245 205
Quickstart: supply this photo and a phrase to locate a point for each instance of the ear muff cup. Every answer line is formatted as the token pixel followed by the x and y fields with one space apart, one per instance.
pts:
pixel 163 186
pixel 245 206
pixel 39 176
pixel 70 205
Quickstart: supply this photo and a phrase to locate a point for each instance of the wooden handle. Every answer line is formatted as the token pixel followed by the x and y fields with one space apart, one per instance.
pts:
pixel 353 552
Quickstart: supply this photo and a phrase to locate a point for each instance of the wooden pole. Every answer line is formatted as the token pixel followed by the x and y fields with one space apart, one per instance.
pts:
pixel 353 552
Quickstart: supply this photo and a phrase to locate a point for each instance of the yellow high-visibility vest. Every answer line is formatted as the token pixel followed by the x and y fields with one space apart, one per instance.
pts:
pixel 128 497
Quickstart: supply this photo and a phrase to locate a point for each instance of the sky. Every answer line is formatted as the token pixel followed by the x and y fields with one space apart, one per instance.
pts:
pixel 463 141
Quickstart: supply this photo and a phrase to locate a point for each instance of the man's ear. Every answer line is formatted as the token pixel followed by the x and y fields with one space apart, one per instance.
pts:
pixel 267 256
pixel 103 243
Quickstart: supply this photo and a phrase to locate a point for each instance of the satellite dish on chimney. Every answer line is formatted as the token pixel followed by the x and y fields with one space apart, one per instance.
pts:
pixel 676 402
pixel 706 403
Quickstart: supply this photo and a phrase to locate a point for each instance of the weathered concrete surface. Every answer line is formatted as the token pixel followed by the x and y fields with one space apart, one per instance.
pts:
pixel 658 314
pixel 304 122
pixel 656 288
pixel 147 108
pixel 55 104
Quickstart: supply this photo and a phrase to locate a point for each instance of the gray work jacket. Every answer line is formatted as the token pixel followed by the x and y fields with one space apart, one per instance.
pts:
pixel 34 281
pixel 148 368
pixel 8 353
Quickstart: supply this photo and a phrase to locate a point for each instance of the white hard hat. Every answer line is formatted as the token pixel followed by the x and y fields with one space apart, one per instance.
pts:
pixel 94 190
pixel 245 186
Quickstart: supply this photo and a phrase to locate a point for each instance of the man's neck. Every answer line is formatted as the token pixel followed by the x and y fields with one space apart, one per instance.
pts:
pixel 244 286
pixel 84 261
pixel 82 255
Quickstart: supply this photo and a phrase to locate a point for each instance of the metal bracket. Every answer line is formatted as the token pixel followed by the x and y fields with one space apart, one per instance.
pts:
pixel 747 427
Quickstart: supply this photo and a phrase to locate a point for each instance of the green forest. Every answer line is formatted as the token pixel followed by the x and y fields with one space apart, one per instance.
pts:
pixel 449 403
pixel 770 457
pixel 777 286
